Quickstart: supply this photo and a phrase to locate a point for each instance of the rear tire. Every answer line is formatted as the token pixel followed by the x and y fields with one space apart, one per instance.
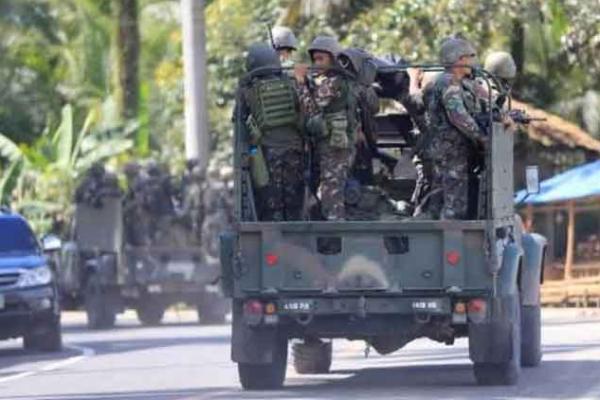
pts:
pixel 265 376
pixel 531 336
pixel 100 313
pixel 48 339
pixel 312 357
pixel 150 313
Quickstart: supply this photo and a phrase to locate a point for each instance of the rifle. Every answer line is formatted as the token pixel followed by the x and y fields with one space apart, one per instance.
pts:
pixel 270 31
pixel 521 117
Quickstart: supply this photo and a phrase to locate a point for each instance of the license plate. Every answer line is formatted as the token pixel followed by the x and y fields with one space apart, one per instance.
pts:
pixel 2 302
pixel 297 306
pixel 427 305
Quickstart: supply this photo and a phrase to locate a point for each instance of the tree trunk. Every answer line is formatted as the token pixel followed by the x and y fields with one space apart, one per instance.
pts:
pixel 128 54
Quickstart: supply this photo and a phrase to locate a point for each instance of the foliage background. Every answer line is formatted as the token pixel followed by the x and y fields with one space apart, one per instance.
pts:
pixel 61 65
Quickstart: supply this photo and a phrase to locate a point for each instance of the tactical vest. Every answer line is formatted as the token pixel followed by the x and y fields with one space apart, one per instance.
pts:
pixel 341 117
pixel 273 106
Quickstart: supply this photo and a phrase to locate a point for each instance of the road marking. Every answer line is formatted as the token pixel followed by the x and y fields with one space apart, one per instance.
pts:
pixel 86 352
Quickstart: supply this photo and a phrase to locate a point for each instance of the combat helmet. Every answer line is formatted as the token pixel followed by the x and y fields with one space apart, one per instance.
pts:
pixel 261 55
pixel 501 64
pixel 325 44
pixel 453 49
pixel 284 38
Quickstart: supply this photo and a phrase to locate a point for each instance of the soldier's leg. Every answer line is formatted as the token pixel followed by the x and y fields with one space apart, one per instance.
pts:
pixel 455 186
pixel 334 164
pixel 293 187
pixel 271 196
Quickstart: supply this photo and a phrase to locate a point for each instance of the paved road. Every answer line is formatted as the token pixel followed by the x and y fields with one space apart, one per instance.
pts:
pixel 183 361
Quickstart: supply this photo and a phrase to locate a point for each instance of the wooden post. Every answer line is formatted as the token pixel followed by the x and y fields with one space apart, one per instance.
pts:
pixel 570 241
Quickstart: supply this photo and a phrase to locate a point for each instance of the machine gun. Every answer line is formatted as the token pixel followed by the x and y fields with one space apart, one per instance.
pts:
pixel 521 117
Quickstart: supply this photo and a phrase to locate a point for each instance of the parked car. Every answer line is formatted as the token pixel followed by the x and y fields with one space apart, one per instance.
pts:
pixel 29 306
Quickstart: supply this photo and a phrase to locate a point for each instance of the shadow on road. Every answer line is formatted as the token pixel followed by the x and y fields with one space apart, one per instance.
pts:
pixel 554 380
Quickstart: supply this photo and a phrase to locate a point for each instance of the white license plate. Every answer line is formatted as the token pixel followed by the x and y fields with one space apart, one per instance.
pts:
pixel 2 302
pixel 181 267
pixel 427 305
pixel 297 306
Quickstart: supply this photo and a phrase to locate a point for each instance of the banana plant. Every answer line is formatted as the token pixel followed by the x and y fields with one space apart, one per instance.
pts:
pixel 39 179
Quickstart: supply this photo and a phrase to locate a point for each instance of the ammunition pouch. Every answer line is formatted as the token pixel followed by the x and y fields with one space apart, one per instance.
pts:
pixel 258 168
pixel 336 130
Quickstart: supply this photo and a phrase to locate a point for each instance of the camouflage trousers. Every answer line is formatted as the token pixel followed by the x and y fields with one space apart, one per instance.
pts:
pixel 424 168
pixel 334 164
pixel 451 178
pixel 282 198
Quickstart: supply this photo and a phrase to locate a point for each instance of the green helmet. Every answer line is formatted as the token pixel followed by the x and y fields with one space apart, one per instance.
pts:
pixel 453 49
pixel 261 55
pixel 501 64
pixel 325 44
pixel 284 38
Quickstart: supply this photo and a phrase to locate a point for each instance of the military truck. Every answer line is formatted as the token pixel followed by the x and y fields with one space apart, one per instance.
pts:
pixel 100 270
pixel 385 282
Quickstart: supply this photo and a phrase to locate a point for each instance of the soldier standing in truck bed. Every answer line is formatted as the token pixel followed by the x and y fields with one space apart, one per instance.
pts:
pixel 271 111
pixel 329 104
pixel 455 131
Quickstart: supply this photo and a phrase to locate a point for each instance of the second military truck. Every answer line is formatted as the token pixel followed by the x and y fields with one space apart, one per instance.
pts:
pixel 108 274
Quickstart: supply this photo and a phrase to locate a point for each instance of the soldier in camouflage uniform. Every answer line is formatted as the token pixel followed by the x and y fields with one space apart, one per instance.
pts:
pixel 97 185
pixel 454 129
pixel 137 230
pixel 192 209
pixel 271 110
pixel 328 102
pixel 285 44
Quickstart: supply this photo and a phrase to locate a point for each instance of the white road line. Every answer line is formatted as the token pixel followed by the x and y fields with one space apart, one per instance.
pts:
pixel 86 352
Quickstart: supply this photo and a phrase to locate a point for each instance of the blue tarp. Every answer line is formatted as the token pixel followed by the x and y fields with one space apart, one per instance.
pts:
pixel 573 184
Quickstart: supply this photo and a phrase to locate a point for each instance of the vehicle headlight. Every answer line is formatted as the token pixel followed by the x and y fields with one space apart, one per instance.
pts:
pixel 35 277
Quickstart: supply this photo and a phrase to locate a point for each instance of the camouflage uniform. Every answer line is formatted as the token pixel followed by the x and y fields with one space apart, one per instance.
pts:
pixel 137 230
pixel 455 133
pixel 327 101
pixel 280 199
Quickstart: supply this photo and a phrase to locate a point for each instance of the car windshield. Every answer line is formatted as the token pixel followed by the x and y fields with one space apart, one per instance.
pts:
pixel 16 237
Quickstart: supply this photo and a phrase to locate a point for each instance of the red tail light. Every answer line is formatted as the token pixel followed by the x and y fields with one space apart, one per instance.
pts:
pixel 253 307
pixel 477 306
pixel 271 259
pixel 453 257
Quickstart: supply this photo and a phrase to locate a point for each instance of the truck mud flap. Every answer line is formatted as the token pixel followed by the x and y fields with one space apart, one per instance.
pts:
pixel 492 342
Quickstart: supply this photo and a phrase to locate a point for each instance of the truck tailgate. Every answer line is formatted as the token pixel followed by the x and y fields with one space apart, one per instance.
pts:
pixel 378 257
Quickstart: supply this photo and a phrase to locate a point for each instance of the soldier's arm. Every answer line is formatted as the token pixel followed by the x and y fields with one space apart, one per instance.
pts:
pixel 459 116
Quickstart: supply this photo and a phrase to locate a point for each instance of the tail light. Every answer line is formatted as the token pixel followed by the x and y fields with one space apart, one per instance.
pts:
pixel 253 307
pixel 460 308
pixel 271 259
pixel 477 309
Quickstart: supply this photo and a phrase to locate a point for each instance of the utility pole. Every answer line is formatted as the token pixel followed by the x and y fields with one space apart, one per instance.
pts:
pixel 194 58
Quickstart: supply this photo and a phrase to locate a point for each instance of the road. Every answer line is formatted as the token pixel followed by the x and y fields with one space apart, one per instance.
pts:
pixel 183 361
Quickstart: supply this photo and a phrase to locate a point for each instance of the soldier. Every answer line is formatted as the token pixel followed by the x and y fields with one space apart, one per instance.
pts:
pixel 502 65
pixel 285 44
pixel 88 191
pixel 137 230
pixel 270 108
pixel 192 208
pixel 328 102
pixel 454 129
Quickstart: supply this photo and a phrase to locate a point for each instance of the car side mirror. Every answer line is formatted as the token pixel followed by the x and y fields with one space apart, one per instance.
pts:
pixel 532 177
pixel 51 243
